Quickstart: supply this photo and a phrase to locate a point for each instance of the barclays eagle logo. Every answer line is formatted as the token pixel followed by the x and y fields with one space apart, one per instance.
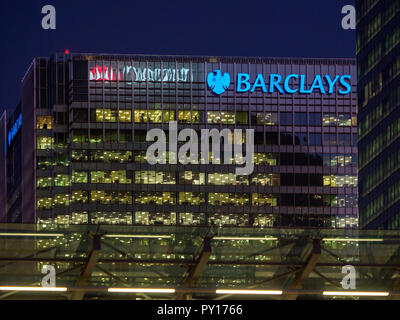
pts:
pixel 218 83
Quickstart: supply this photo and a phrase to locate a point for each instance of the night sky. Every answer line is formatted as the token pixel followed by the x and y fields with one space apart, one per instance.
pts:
pixel 279 28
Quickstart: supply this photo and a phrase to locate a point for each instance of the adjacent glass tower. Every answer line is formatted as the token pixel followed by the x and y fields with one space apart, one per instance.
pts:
pixel 80 154
pixel 378 58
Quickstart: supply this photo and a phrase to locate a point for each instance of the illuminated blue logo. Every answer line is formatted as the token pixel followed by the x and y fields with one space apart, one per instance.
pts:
pixel 217 82
pixel 14 129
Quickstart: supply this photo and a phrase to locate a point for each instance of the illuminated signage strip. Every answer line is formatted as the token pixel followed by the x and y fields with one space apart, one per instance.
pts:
pixel 14 130
pixel 139 74
pixel 292 83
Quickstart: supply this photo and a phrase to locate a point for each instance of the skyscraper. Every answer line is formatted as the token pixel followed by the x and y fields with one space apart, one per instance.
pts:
pixel 378 59
pixel 76 145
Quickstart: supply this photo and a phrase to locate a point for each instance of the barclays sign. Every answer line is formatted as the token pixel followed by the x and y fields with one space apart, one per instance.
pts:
pixel 293 83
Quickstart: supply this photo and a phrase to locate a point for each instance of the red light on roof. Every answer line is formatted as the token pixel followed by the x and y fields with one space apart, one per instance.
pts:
pixel 67 51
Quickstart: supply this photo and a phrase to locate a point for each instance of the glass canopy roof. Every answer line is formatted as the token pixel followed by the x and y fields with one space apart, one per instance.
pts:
pixel 196 260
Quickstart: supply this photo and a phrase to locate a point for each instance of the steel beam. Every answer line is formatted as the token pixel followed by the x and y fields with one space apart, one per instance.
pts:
pixel 303 274
pixel 87 269
pixel 196 270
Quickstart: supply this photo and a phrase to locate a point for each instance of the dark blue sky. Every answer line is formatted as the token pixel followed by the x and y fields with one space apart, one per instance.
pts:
pixel 287 28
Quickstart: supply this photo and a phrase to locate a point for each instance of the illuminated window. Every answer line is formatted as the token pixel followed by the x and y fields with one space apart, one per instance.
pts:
pixel 265 179
pixel 191 198
pixel 270 159
pixel 62 219
pixel 329 119
pixel 191 219
pixel 235 199
pixel 187 116
pixel 96 135
pixel 225 117
pixel 264 220
pixel 111 218
pixel 80 155
pixel 154 116
pixel 140 157
pixel 44 182
pixel 62 180
pixel 61 159
pixel 80 218
pixel 189 177
pixel 61 200
pixel 79 176
pixel 340 181
pixel 125 115
pixel 168 115
pixel 267 118
pixel 111 156
pixel 229 219
pixel 110 176
pixel 155 198
pixel 227 179
pixel 44 163
pixel 45 143
pixel 154 177
pixel 80 136
pixel 155 218
pixel 262 199
pixel 106 115
pixel 344 119
pixel 44 122
pixel 44 203
pixel 79 196
pixel 107 197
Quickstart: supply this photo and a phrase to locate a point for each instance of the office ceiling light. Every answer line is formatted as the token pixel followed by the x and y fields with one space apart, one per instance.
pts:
pixel 353 239
pixel 140 290
pixel 246 238
pixel 251 292
pixel 44 289
pixel 138 236
pixel 19 234
pixel 355 293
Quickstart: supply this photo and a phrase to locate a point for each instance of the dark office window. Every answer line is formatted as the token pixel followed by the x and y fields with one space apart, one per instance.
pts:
pixel 286 119
pixel 300 159
pixel 287 159
pixel 287 200
pixel 126 136
pixel 316 200
pixel 316 159
pixel 316 180
pixel 315 119
pixel 300 139
pixel 271 138
pixel 80 115
pixel 140 136
pixel 258 138
pixel 330 139
pixel 301 179
pixel 344 139
pixel 315 139
pixel 300 119
pixel 287 179
pixel 286 139
pixel 111 136
pixel 301 200
pixel 355 136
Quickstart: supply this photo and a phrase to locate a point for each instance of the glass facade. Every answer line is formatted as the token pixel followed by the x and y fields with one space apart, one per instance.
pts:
pixel 378 59
pixel 90 143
